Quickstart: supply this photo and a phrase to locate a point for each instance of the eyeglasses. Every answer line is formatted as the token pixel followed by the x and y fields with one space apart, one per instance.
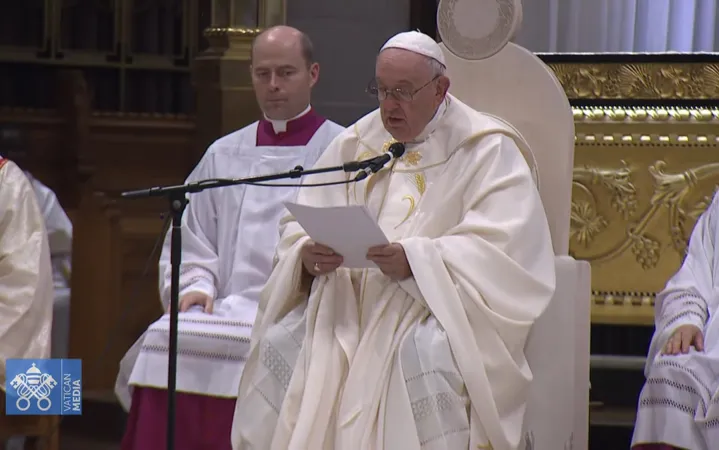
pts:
pixel 399 94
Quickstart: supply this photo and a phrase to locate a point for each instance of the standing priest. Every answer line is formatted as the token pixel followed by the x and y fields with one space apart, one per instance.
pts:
pixel 426 350
pixel 229 236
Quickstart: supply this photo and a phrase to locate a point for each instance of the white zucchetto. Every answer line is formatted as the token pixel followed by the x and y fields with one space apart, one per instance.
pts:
pixel 416 42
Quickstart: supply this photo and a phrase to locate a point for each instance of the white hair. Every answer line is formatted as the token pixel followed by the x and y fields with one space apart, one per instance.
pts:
pixel 436 67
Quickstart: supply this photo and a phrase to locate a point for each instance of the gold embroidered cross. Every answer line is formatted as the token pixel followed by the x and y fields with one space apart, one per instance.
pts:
pixel 411 158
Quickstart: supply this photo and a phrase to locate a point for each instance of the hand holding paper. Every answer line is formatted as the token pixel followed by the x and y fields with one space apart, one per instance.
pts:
pixel 391 260
pixel 319 259
pixel 349 230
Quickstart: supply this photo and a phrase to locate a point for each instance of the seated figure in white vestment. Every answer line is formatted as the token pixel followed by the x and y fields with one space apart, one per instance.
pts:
pixel 229 237
pixel 427 349
pixel 26 282
pixel 679 404
pixel 59 232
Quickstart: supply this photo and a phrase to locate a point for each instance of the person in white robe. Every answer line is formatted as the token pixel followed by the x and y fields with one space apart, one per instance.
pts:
pixel 26 281
pixel 679 403
pixel 426 351
pixel 59 232
pixel 229 236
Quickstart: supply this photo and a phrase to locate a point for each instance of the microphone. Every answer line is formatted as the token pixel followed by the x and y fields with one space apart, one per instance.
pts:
pixel 395 151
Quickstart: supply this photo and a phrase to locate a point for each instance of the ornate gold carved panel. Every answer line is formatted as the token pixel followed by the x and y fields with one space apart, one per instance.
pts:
pixel 639 80
pixel 641 179
pixel 642 174
pixel 664 77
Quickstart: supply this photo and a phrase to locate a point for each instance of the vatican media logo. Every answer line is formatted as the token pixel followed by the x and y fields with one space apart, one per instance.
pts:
pixel 43 387
pixel 33 384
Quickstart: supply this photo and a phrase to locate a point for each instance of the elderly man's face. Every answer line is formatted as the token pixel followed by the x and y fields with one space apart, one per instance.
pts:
pixel 401 70
pixel 282 78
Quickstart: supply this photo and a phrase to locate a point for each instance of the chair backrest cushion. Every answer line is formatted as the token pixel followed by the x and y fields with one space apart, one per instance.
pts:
pixel 518 87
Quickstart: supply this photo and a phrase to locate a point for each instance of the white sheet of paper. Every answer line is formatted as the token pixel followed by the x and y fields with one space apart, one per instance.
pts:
pixel 348 230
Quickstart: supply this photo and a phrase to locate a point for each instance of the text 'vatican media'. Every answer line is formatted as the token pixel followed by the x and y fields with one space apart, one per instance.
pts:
pixel 71 394
pixel 31 387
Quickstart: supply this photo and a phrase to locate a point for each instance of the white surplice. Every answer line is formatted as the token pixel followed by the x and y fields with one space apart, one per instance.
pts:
pixel 435 361
pixel 228 239
pixel 26 286
pixel 679 404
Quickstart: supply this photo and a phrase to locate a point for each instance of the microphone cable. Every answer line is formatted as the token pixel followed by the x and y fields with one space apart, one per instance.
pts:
pixel 265 184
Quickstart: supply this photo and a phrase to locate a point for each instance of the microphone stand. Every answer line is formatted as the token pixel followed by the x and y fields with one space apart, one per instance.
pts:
pixel 177 197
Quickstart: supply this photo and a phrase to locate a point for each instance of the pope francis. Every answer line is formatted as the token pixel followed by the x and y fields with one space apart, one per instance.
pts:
pixel 426 351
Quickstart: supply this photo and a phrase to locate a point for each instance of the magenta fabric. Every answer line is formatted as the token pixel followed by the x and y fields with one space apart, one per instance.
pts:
pixel 299 131
pixel 202 422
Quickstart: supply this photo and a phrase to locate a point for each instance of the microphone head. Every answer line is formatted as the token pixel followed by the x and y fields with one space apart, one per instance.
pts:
pixel 397 149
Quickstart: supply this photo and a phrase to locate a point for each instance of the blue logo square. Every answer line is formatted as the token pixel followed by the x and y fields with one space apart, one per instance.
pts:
pixel 51 387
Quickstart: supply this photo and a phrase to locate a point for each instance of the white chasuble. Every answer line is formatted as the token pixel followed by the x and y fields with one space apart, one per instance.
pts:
pixel 26 290
pixel 229 236
pixel 679 404
pixel 432 362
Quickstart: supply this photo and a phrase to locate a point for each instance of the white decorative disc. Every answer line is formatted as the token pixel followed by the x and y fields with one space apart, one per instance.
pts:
pixel 477 29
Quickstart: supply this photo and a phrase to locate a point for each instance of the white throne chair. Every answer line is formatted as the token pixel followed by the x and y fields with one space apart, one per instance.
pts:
pixel 495 76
